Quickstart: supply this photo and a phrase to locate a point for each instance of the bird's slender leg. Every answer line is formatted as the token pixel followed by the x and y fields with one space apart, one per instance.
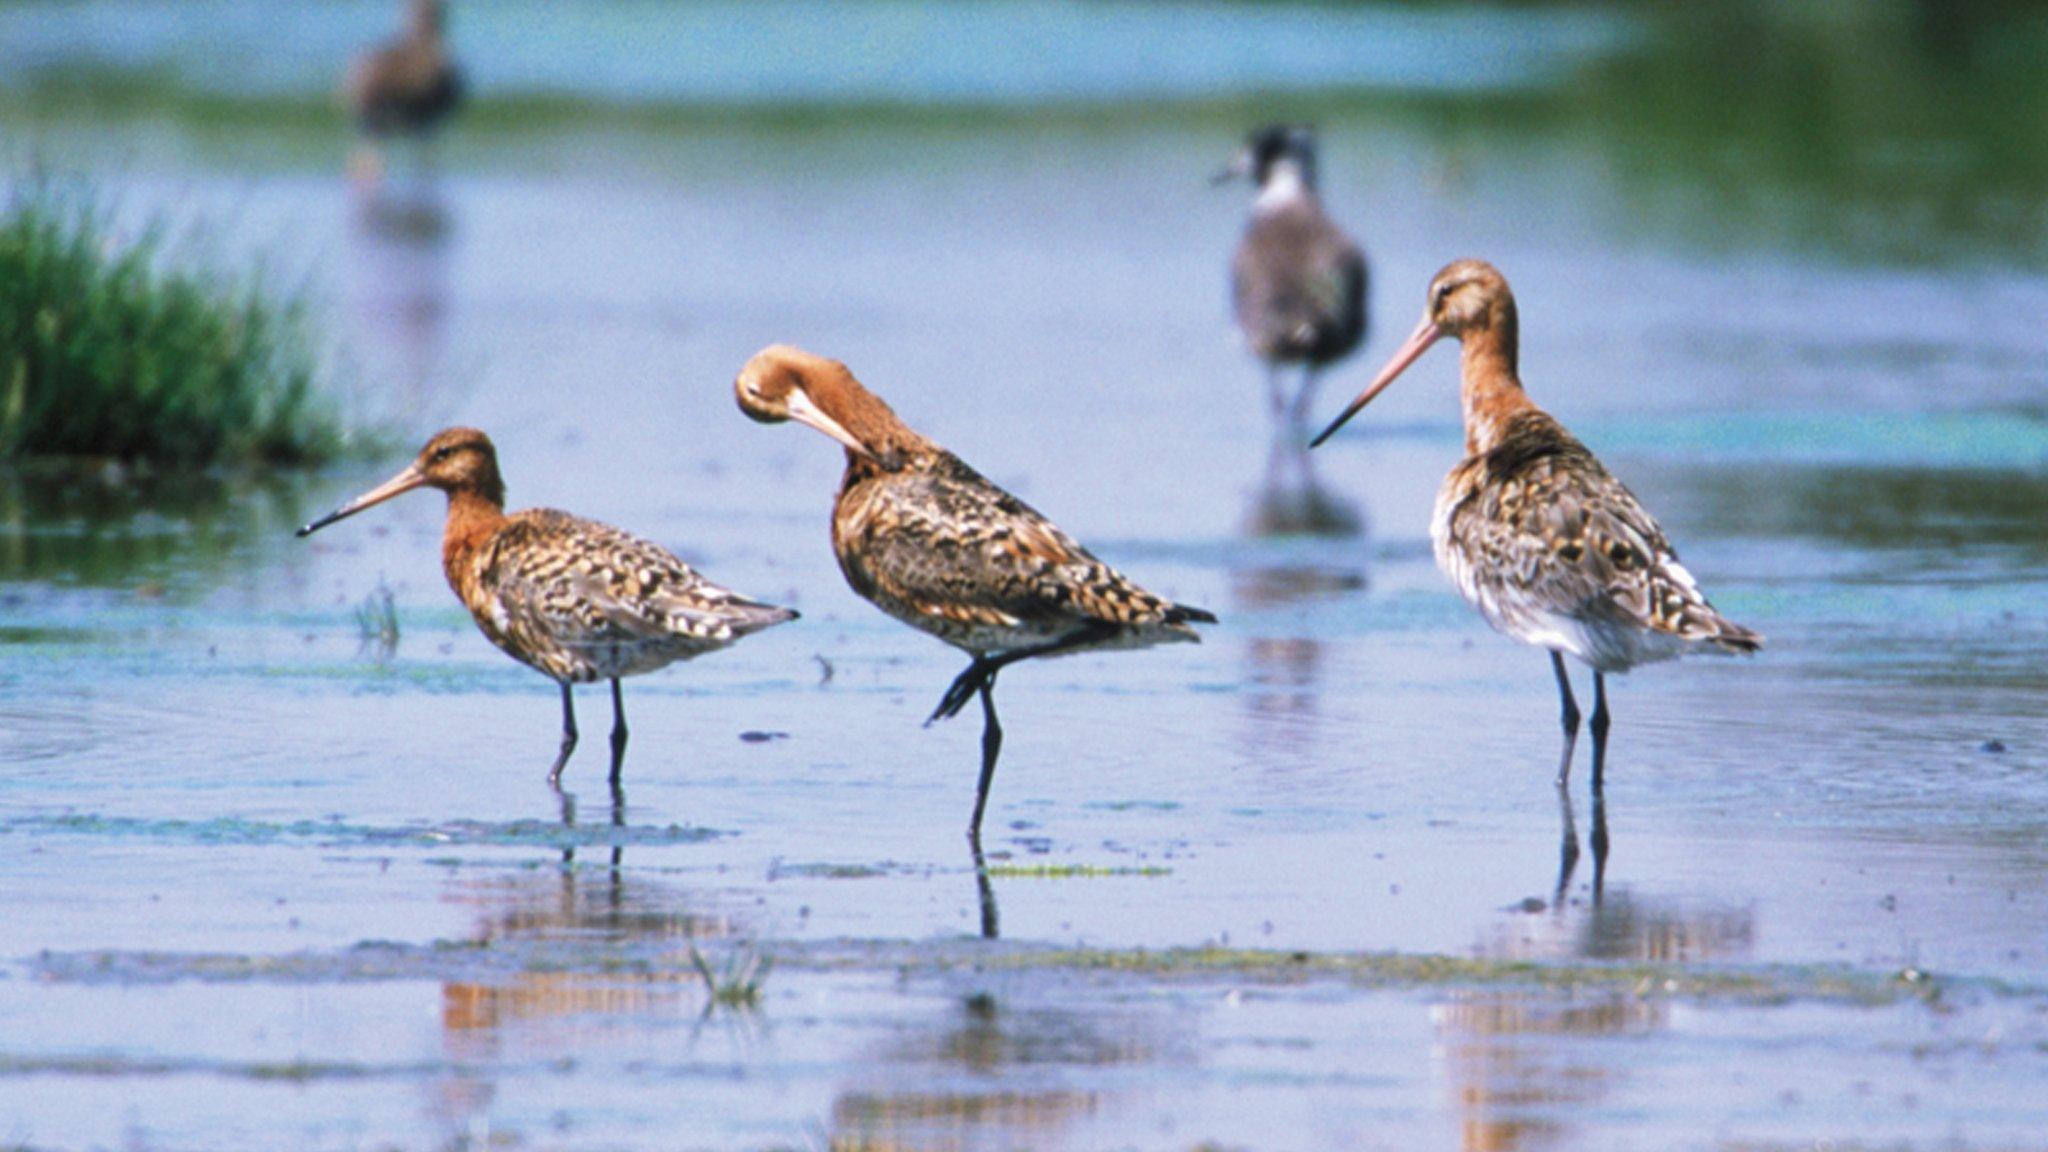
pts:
pixel 1599 729
pixel 1568 847
pixel 568 738
pixel 619 734
pixel 1569 718
pixel 991 748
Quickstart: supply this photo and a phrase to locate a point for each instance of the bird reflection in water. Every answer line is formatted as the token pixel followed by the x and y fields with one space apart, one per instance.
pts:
pixel 1516 1070
pixel 550 1006
pixel 618 814
pixel 1285 662
pixel 985 892
pixel 404 238
pixel 950 1086
pixel 1291 500
pixel 1568 849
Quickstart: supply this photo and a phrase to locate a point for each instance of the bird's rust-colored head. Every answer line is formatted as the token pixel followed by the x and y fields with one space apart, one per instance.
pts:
pixel 783 383
pixel 455 460
pixel 1468 300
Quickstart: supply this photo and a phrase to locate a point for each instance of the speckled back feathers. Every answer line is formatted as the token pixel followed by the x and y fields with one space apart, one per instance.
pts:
pixel 1553 550
pixel 581 601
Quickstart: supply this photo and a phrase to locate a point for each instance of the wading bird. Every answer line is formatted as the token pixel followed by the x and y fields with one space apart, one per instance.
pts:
pixel 1298 283
pixel 574 600
pixel 929 541
pixel 405 87
pixel 1537 535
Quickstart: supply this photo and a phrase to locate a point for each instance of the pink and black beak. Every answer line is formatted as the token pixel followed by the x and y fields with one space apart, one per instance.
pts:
pixel 1418 342
pixel 398 485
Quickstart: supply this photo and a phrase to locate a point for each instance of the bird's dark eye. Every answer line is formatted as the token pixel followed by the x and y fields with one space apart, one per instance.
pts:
pixel 441 454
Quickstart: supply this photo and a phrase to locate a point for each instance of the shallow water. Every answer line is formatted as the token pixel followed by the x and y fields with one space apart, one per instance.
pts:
pixel 266 884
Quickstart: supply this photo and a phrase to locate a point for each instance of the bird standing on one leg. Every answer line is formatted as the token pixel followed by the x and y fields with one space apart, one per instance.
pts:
pixel 932 543
pixel 1537 535
pixel 1298 282
pixel 405 87
pixel 573 599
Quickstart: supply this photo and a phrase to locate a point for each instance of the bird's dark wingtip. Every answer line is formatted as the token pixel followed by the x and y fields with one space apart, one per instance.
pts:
pixel 1187 614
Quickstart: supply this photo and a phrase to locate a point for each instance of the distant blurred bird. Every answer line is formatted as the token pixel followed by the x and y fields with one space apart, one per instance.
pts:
pixel 575 600
pixel 1298 282
pixel 407 86
pixel 1537 535
pixel 931 542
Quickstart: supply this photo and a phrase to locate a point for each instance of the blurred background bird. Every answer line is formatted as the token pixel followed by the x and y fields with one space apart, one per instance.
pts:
pixel 1298 281
pixel 405 88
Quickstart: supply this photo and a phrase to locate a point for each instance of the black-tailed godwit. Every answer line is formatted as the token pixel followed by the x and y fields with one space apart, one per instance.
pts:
pixel 933 543
pixel 1537 535
pixel 575 600
pixel 1298 282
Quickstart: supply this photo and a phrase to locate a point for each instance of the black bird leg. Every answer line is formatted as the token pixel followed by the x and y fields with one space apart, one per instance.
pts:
pixel 991 747
pixel 1599 729
pixel 963 689
pixel 619 735
pixel 1570 719
pixel 568 738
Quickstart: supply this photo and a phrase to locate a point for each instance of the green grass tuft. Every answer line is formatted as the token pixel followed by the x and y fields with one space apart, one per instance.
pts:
pixel 109 349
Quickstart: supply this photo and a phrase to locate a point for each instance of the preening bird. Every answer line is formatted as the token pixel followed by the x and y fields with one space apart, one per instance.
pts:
pixel 936 545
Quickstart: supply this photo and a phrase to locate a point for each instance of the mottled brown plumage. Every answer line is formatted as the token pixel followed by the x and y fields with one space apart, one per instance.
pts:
pixel 1537 534
pixel 573 599
pixel 933 543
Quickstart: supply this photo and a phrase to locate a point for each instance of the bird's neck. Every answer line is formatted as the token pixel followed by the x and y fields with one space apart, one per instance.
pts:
pixel 472 517
pixel 1287 184
pixel 1492 387
pixel 870 421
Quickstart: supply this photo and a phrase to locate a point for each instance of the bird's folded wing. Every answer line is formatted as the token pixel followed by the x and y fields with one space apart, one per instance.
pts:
pixel 1577 538
pixel 952 545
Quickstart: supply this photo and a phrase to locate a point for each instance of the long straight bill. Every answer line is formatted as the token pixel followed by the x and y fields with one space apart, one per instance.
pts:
pixel 398 485
pixel 1424 335
pixel 804 410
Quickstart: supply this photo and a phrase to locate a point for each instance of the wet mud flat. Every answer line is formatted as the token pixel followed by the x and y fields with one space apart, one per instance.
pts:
pixel 592 1013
